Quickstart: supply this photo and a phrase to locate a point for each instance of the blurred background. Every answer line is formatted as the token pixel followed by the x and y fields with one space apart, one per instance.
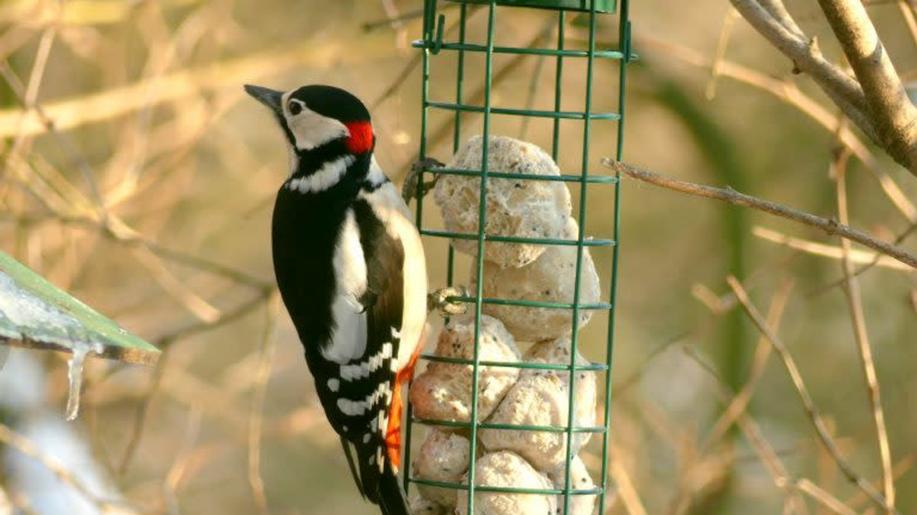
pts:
pixel 138 176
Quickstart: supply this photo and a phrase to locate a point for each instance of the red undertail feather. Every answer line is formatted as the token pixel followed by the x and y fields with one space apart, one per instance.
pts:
pixel 393 431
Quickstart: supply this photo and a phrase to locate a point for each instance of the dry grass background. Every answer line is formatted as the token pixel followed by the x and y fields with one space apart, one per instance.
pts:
pixel 137 175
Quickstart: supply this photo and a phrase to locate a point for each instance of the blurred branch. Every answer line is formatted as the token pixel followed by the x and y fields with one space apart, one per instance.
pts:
pixel 741 400
pixel 69 114
pixel 891 111
pixel 877 259
pixel 877 104
pixel 807 57
pixel 808 404
pixel 766 453
pixel 789 93
pixel 855 304
pixel 28 448
pixel 830 251
pixel 626 489
pixel 140 415
pixel 256 420
pixel 829 226
pixel 227 316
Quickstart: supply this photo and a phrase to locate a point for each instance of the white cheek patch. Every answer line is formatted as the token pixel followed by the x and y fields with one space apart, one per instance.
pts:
pixel 311 129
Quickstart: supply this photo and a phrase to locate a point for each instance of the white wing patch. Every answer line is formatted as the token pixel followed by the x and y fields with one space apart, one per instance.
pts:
pixel 355 408
pixel 391 210
pixel 349 339
pixel 368 366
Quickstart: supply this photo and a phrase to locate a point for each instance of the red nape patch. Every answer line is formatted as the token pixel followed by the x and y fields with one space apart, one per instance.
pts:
pixel 361 137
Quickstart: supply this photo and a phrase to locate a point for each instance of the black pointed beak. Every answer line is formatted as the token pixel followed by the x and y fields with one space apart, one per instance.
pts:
pixel 266 96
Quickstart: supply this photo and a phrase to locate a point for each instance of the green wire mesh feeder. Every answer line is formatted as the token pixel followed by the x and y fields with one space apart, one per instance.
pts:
pixel 456 55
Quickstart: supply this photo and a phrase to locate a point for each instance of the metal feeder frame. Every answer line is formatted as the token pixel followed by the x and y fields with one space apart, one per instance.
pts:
pixel 432 44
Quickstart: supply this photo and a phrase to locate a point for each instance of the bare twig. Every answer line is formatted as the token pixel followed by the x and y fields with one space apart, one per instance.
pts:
pixel 829 251
pixel 806 56
pixel 719 55
pixel 626 489
pixel 891 111
pixel 855 303
pixel 789 93
pixel 766 453
pixel 25 446
pixel 808 404
pixel 256 421
pixel 829 226
pixel 739 403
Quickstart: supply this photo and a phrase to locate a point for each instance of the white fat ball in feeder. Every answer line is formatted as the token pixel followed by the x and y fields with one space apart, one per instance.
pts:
pixel 579 480
pixel 443 390
pixel 514 207
pixel 508 469
pixel 540 398
pixel 550 279
pixel 443 457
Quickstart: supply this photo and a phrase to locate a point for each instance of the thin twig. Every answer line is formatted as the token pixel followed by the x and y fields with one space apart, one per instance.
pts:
pixel 740 402
pixel 808 404
pixel 766 453
pixel 25 446
pixel 829 226
pixel 256 420
pixel 141 413
pixel 829 251
pixel 787 91
pixel 855 304
pixel 720 54
pixel 626 489
pixel 806 57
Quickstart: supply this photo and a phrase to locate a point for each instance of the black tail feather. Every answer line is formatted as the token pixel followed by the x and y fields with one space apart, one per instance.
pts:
pixel 348 453
pixel 392 500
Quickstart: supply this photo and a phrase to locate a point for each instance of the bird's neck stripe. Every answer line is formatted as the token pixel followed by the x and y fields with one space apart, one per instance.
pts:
pixel 329 174
pixel 361 137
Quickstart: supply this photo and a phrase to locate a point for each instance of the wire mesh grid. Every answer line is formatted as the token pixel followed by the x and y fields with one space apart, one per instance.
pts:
pixel 431 45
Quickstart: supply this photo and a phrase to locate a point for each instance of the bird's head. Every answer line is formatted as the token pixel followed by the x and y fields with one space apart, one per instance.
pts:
pixel 319 119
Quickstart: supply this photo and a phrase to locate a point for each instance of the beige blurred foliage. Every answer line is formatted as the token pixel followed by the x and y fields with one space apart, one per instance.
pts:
pixel 136 174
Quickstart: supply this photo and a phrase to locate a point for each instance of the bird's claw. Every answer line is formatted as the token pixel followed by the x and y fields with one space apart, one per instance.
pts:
pixel 444 300
pixel 409 189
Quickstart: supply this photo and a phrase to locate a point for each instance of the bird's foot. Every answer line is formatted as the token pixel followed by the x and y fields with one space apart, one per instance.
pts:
pixel 444 300
pixel 409 189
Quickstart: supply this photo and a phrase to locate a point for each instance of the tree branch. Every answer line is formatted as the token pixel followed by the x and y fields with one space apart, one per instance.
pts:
pixel 829 226
pixel 843 89
pixel 893 115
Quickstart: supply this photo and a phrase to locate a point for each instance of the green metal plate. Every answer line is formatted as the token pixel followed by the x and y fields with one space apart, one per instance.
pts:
pixel 34 313
pixel 601 6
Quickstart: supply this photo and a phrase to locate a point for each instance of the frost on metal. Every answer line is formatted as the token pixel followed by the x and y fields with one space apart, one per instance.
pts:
pixel 34 313
pixel 517 401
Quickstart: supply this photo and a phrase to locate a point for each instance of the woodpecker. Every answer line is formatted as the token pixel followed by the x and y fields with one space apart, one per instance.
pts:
pixel 351 271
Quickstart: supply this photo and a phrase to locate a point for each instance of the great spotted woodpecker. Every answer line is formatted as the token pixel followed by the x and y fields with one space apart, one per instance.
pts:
pixel 351 271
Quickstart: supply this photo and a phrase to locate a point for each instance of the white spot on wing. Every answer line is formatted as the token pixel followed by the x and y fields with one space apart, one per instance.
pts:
pixel 334 384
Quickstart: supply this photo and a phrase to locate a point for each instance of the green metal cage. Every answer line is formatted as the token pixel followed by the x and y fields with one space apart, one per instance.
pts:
pixel 432 45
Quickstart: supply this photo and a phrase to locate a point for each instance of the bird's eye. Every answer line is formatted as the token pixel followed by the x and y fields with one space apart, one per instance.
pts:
pixel 295 108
